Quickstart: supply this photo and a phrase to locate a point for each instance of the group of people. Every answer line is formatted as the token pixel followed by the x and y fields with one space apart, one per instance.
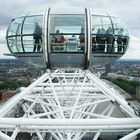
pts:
pixel 105 38
pixel 58 37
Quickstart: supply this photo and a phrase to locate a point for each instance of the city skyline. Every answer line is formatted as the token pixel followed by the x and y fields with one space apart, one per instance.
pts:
pixel 129 16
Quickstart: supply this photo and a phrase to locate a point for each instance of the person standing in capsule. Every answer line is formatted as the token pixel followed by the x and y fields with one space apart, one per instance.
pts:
pixel 37 38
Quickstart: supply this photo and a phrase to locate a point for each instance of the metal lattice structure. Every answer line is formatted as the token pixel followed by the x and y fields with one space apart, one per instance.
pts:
pixel 68 104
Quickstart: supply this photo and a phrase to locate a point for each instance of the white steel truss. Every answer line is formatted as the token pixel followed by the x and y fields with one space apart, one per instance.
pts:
pixel 67 105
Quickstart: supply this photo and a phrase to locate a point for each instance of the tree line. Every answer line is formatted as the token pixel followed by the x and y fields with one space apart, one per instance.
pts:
pixel 126 85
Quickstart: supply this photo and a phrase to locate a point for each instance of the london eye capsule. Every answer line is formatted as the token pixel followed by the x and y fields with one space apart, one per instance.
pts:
pixel 67 38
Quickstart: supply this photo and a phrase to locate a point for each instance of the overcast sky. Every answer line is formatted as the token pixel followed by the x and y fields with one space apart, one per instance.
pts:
pixel 128 11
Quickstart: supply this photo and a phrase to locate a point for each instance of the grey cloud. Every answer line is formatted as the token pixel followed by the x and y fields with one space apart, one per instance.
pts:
pixel 13 8
pixel 127 10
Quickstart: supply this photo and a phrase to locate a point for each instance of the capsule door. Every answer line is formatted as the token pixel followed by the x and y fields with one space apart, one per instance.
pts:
pixel 66 40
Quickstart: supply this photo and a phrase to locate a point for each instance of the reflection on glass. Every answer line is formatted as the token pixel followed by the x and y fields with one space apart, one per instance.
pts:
pixel 37 38
pixel 30 24
pixel 66 43
pixel 27 29
pixel 119 27
pixel 67 33
pixel 28 43
pixel 15 28
pixel 121 35
pixel 122 43
pixel 18 44
pixel 12 44
pixel 102 34
pixel 102 23
pixel 105 38
pixel 109 39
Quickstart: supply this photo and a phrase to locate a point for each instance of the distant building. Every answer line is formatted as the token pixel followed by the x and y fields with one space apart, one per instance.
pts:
pixel 4 96
pixel 108 68
pixel 138 92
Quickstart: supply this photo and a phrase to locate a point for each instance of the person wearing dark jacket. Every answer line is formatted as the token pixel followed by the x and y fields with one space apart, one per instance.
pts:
pixel 120 40
pixel 109 39
pixel 37 38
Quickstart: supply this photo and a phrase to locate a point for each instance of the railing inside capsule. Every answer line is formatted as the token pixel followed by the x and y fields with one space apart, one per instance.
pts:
pixel 109 43
pixel 67 42
pixel 108 48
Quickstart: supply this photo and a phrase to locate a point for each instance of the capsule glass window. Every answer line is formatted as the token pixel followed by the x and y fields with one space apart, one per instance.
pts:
pixel 15 27
pixel 67 33
pixel 119 27
pixel 14 35
pixel 121 35
pixel 32 34
pixel 102 34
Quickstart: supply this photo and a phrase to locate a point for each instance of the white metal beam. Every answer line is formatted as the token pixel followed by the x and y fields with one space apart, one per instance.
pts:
pixel 111 93
pixel 97 135
pixel 15 133
pixel 78 97
pixel 56 98
pixel 9 105
pixel 73 97
pixel 4 136
pixel 131 135
pixel 70 122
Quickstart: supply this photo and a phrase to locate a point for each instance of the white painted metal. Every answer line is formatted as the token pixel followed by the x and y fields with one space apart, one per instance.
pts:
pixel 97 135
pixel 4 136
pixel 68 105
pixel 15 133
pixel 131 135
pixel 10 104
pixel 112 94
pixel 71 122
pixel 89 35
pixel 45 35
